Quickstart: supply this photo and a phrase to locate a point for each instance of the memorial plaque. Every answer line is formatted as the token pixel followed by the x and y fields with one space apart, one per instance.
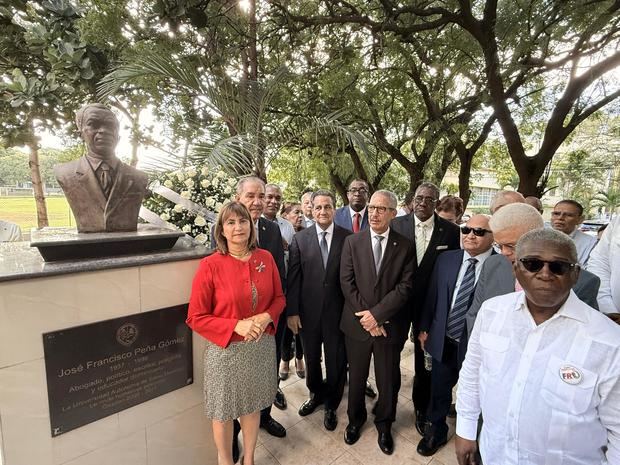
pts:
pixel 99 369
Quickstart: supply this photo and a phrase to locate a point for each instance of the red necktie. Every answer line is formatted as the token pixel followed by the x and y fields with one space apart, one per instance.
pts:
pixel 356 222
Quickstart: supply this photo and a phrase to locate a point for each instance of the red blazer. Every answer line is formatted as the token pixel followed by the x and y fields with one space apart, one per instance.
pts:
pixel 222 295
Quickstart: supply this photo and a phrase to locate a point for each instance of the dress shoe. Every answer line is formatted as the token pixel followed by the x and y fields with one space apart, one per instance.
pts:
pixel 309 406
pixel 430 444
pixel 280 400
pixel 351 434
pixel 386 443
pixel 452 411
pixel 330 421
pixel 273 427
pixel 283 370
pixel 300 369
pixel 370 392
pixel 420 422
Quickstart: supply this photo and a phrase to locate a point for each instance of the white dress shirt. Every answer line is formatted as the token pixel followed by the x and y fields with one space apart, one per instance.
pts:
pixel 464 264
pixel 548 393
pixel 286 228
pixel 308 222
pixel 584 243
pixel 361 213
pixel 328 237
pixel 605 263
pixel 383 242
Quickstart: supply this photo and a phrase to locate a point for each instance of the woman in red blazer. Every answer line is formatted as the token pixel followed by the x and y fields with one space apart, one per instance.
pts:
pixel 235 304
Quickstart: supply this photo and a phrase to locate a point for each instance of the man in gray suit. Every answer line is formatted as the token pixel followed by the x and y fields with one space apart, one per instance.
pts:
pixel 497 276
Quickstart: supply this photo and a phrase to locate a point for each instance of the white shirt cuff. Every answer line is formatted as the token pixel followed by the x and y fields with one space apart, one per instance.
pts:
pixel 467 429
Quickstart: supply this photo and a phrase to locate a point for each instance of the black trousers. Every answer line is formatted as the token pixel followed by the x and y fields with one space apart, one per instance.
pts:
pixel 328 335
pixel 287 346
pixel 421 391
pixel 444 377
pixel 387 376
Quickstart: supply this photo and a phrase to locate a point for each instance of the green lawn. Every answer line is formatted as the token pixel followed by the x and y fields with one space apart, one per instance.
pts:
pixel 22 210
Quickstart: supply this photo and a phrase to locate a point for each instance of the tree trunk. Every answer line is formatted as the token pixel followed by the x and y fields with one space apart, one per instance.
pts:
pixel 464 178
pixel 37 183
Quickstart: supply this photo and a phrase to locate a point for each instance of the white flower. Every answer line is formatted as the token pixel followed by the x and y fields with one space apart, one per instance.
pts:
pixel 191 172
pixel 185 194
pixel 164 216
pixel 200 221
pixel 216 182
pixel 178 208
pixel 232 182
pixel 218 205
pixel 180 176
pixel 168 183
pixel 210 203
pixel 187 228
pixel 204 171
pixel 189 183
pixel 205 183
pixel 202 238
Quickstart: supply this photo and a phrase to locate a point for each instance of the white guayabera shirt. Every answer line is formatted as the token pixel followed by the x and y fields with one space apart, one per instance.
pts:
pixel 548 393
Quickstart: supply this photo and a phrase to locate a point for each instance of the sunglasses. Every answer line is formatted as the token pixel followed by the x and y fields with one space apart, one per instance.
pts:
pixel 477 231
pixel 558 268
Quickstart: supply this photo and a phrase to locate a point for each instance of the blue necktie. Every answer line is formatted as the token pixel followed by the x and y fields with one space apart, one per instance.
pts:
pixel 456 319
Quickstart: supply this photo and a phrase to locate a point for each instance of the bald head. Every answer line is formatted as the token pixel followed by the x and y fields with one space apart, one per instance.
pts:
pixel 504 198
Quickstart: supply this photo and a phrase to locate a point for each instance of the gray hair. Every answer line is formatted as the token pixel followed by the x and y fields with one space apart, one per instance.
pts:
pixel 272 186
pixel 79 116
pixel 548 236
pixel 324 193
pixel 248 179
pixel 508 196
pixel 393 200
pixel 516 215
pixel 429 185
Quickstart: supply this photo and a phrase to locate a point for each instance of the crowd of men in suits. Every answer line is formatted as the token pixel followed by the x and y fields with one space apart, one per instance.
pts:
pixel 361 279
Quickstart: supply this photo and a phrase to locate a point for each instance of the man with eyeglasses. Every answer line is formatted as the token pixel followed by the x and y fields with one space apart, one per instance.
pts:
pixel 354 216
pixel 566 217
pixel 543 368
pixel 376 270
pixel 443 319
pixel 431 235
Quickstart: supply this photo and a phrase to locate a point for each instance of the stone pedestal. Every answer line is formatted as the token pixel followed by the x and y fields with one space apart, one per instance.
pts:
pixel 38 297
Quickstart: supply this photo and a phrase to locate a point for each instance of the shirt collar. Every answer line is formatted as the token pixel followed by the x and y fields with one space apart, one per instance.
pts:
pixel 374 234
pixel 329 230
pixel 353 212
pixel 429 222
pixel 95 162
pixel 480 257
pixel 572 308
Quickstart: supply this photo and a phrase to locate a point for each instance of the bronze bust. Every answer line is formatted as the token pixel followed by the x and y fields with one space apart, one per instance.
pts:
pixel 104 193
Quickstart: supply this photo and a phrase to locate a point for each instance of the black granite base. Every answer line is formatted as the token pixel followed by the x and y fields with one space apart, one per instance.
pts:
pixel 56 244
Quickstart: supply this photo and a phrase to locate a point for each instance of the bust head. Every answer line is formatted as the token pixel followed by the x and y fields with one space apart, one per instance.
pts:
pixel 98 128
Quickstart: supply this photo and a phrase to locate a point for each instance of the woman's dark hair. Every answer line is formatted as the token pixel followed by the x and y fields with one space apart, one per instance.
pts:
pixel 287 207
pixel 450 203
pixel 229 209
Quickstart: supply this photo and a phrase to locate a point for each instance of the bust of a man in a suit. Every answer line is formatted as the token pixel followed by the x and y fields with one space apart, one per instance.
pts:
pixel 104 193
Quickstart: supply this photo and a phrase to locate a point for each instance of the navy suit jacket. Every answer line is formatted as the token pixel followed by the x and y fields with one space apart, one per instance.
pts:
pixel 343 219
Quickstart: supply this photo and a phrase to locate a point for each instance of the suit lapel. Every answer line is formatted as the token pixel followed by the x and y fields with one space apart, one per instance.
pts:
pixel 452 274
pixel 436 237
pixel 88 181
pixel 121 185
pixel 314 246
pixel 390 249
pixel 366 251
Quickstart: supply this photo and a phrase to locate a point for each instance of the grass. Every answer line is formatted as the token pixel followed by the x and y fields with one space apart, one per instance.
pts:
pixel 23 211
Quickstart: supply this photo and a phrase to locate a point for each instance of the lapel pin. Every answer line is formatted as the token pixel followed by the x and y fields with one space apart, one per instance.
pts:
pixel 570 374
pixel 393 243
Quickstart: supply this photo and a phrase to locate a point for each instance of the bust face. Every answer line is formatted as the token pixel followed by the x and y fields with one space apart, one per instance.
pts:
pixel 100 132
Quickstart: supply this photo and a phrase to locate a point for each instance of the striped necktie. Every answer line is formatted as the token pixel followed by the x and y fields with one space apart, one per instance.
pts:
pixel 324 249
pixel 456 319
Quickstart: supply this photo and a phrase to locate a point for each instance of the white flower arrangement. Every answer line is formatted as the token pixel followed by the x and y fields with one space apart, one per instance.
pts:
pixel 204 186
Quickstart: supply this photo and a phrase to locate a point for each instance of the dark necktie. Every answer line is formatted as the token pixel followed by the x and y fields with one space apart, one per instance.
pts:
pixel 456 319
pixel 324 249
pixel 105 178
pixel 356 222
pixel 377 251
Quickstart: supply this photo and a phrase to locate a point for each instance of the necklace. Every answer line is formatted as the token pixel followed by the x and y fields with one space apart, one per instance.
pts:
pixel 243 254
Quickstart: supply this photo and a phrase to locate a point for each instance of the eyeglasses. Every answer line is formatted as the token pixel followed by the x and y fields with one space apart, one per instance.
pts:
pixel 499 246
pixel 477 231
pixel 557 267
pixel 361 191
pixel 378 209
pixel 557 214
pixel 419 200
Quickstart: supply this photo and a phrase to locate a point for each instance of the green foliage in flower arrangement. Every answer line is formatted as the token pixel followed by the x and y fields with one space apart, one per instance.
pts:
pixel 207 187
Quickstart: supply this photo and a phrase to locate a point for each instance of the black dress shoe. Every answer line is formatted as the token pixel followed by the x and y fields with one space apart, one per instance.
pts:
pixel 309 406
pixel 273 427
pixel 430 444
pixel 330 421
pixel 280 400
pixel 370 392
pixel 351 434
pixel 386 443
pixel 421 424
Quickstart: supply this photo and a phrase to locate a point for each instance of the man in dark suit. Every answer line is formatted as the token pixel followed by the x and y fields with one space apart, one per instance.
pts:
pixel 432 235
pixel 104 193
pixel 497 275
pixel 376 271
pixel 354 216
pixel 443 319
pixel 314 304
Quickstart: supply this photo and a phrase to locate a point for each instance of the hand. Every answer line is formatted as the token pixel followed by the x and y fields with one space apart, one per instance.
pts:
pixel 263 319
pixel 465 451
pixel 422 337
pixel 378 332
pixel 294 323
pixel 248 329
pixel 367 321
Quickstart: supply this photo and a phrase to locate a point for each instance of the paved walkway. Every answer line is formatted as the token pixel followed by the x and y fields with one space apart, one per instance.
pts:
pixel 307 441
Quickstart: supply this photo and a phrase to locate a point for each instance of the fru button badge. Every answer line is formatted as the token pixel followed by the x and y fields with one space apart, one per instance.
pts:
pixel 570 375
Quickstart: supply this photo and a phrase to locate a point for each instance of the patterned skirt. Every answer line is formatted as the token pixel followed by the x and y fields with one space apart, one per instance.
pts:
pixel 240 379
